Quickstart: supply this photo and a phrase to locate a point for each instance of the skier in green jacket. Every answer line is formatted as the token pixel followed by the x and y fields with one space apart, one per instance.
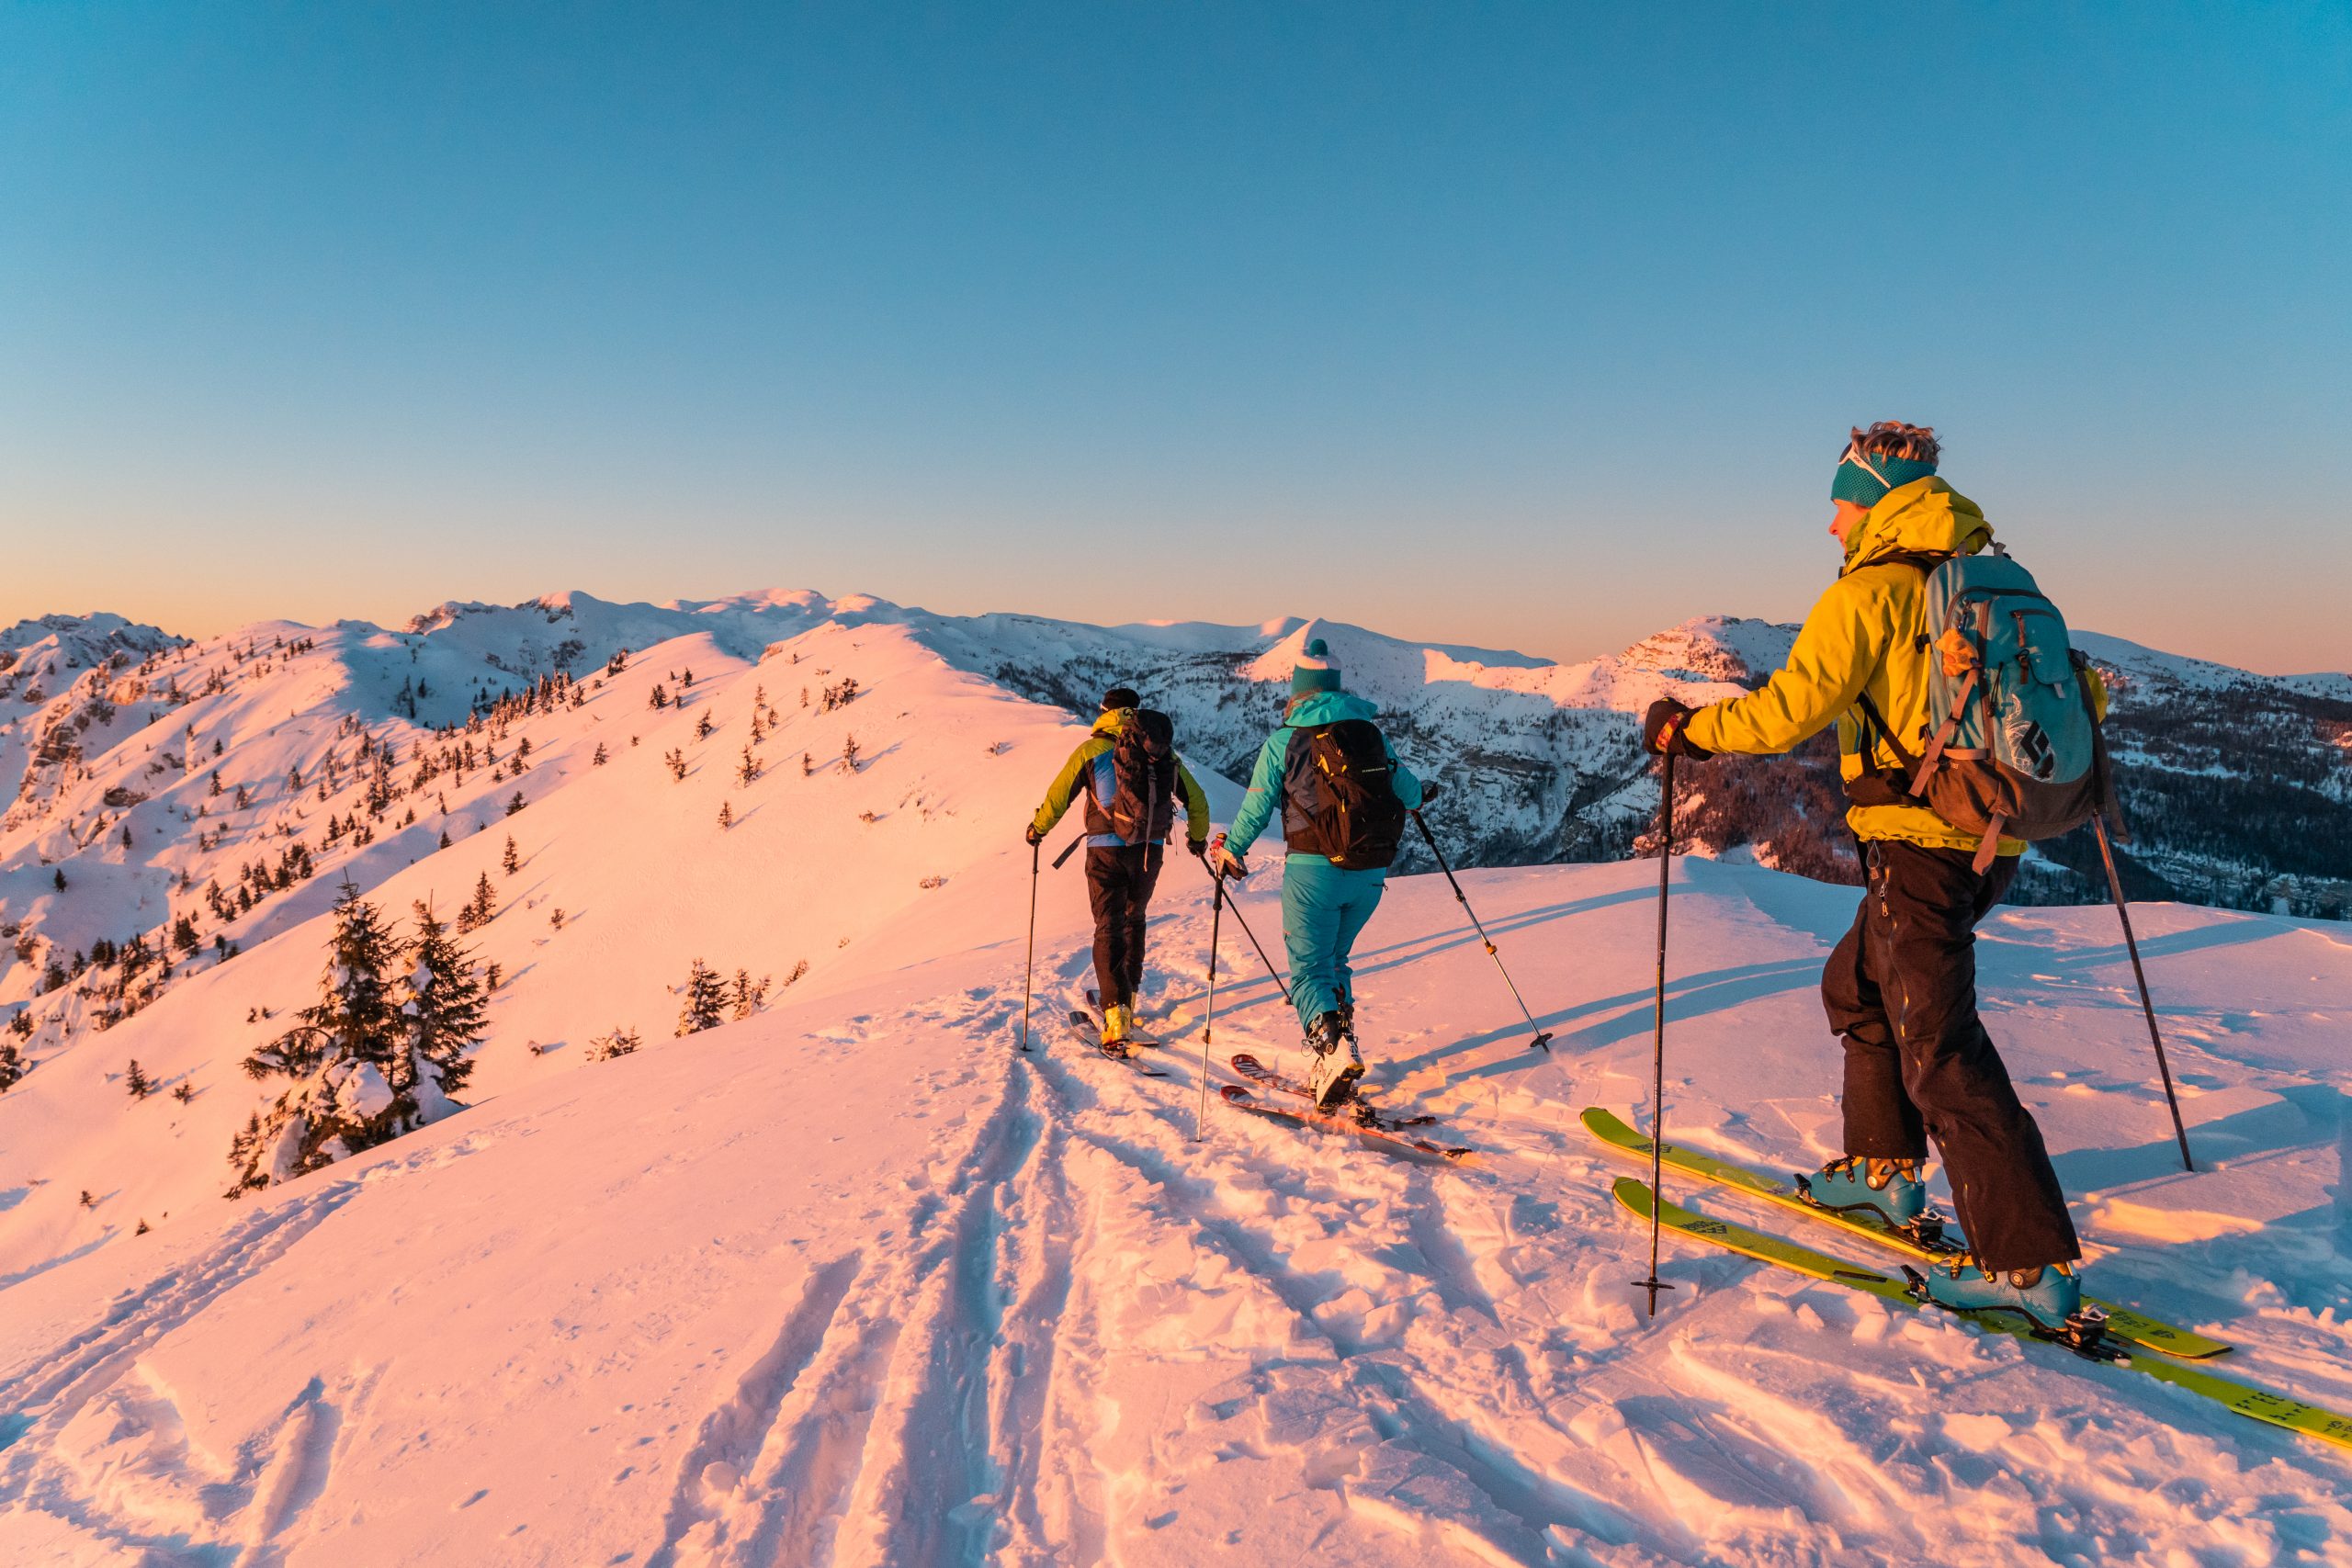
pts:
pixel 1131 778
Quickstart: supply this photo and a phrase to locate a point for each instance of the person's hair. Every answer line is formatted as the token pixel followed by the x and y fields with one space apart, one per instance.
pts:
pixel 1893 438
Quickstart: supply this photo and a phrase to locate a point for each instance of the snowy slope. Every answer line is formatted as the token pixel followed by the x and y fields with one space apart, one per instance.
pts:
pixel 847 1283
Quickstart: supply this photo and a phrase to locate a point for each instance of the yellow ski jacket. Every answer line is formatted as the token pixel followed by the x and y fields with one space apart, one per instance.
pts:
pixel 1089 769
pixel 1865 634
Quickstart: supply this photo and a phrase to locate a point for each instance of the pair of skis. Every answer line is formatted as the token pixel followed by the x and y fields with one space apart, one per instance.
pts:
pixel 2126 1333
pixel 1393 1133
pixel 1358 1116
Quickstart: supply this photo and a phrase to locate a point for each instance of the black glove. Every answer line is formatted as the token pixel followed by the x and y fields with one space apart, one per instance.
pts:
pixel 1428 794
pixel 1032 837
pixel 1200 847
pixel 1665 729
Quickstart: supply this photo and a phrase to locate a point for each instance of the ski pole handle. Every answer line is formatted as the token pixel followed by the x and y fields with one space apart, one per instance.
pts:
pixel 1070 850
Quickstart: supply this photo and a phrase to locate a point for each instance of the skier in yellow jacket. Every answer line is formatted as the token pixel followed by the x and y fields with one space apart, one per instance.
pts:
pixel 1131 778
pixel 1901 987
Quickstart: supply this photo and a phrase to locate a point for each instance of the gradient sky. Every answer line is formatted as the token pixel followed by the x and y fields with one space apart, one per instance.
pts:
pixel 1535 326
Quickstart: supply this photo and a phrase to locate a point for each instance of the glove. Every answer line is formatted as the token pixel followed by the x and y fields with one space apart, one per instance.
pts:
pixel 1665 728
pixel 1032 837
pixel 1224 861
pixel 1199 847
pixel 1428 794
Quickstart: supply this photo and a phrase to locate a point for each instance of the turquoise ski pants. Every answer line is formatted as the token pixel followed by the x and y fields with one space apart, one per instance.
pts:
pixel 1323 909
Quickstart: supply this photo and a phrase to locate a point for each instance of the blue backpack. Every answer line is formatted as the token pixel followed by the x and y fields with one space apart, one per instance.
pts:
pixel 2011 741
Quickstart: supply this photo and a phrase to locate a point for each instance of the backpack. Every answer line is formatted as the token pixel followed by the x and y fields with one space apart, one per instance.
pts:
pixel 1339 796
pixel 2011 741
pixel 1143 778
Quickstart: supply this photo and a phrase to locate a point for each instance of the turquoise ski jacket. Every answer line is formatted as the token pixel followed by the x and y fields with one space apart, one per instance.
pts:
pixel 1264 801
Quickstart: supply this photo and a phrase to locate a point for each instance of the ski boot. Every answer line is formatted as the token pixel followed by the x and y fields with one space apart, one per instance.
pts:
pixel 2049 1297
pixel 1889 1188
pixel 1338 1063
pixel 1116 1023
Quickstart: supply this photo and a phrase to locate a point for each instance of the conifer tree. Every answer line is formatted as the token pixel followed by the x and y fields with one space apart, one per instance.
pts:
pixel 445 838
pixel 703 725
pixel 443 1007
pixel 511 860
pixel 514 805
pixel 849 754
pixel 184 1093
pixel 12 1066
pixel 749 769
pixel 339 1055
pixel 601 758
pixel 485 901
pixel 135 1080
pixel 658 698
pixel 705 1000
pixel 726 815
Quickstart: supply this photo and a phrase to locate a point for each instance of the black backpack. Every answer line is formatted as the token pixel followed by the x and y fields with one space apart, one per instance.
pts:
pixel 1339 796
pixel 1143 777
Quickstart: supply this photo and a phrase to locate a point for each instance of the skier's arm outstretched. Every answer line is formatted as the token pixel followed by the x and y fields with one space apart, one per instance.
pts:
pixel 1196 808
pixel 1063 790
pixel 1843 641
pixel 1264 797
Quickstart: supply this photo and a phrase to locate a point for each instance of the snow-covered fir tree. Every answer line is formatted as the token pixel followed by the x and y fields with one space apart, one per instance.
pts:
pixel 511 860
pixel 135 1080
pixel 443 1007
pixel 705 1001
pixel 365 1068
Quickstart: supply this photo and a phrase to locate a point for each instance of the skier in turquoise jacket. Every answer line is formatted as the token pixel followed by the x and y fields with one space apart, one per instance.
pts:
pixel 1324 906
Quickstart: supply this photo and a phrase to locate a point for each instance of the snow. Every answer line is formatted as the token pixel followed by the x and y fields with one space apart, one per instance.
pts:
pixel 850 1281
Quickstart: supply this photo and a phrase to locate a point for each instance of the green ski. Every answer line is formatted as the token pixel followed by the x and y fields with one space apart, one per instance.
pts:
pixel 2122 1323
pixel 2257 1403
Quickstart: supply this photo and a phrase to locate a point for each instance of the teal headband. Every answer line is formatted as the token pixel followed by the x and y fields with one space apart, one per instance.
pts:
pixel 1865 479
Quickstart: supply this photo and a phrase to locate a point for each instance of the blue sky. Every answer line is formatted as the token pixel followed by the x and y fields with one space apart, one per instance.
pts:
pixel 1536 326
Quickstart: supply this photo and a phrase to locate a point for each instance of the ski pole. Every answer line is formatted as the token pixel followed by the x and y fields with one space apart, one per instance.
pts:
pixel 1068 849
pixel 1029 968
pixel 1260 946
pixel 1208 1026
pixel 1543 1036
pixel 1658 1052
pixel 2131 945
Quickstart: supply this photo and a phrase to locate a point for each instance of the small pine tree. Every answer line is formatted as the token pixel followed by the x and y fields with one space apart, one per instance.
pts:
pixel 619 1042
pixel 57 878
pixel 676 762
pixel 748 770
pixel 705 1000
pixel 511 860
pixel 514 805
pixel 183 1093
pixel 88 1201
pixel 658 698
pixel 726 815
pixel 445 838
pixel 12 1064
pixel 749 996
pixel 135 1080
pixel 143 1228
pixel 600 759
pixel 184 934
pixel 485 901
pixel 703 725
pixel 849 754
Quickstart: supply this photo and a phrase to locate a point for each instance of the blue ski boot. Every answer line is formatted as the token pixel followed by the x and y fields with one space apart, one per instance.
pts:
pixel 2050 1296
pixel 1890 1188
